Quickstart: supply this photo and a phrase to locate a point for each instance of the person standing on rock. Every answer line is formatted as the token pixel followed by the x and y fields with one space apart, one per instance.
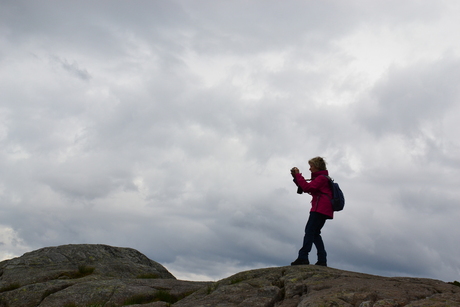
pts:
pixel 321 209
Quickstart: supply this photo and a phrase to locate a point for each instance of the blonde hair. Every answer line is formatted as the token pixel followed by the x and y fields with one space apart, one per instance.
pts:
pixel 318 163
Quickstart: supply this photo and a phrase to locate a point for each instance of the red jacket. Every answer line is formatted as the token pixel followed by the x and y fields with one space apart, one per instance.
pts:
pixel 319 189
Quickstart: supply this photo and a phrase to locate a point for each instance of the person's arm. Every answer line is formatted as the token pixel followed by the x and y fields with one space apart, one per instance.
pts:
pixel 299 180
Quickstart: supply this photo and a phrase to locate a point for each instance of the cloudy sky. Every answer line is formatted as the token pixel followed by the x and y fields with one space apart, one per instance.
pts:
pixel 171 126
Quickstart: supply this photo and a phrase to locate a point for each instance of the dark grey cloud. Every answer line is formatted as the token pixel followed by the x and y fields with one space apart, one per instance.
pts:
pixel 410 97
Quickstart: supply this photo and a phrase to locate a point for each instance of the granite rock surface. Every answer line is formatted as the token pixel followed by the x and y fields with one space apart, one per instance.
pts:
pixel 94 275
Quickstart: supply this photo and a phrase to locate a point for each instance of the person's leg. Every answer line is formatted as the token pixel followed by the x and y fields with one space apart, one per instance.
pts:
pixel 319 244
pixel 312 229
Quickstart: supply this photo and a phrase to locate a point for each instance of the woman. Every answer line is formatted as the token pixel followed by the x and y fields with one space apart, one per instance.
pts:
pixel 321 209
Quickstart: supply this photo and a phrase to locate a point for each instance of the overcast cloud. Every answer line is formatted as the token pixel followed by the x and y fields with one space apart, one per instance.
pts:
pixel 171 126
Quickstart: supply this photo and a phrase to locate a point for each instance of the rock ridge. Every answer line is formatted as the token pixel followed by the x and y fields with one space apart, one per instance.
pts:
pixel 96 275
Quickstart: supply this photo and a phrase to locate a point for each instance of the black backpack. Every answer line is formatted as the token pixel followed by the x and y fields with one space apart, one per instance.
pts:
pixel 337 200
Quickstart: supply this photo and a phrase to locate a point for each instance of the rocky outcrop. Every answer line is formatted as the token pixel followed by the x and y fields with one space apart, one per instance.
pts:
pixel 87 275
pixel 73 260
pixel 309 285
pixel 101 275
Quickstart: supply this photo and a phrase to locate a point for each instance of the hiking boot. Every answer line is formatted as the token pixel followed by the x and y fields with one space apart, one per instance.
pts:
pixel 300 262
pixel 321 263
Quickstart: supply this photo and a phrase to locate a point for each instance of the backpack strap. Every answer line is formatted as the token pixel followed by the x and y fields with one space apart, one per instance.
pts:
pixel 331 181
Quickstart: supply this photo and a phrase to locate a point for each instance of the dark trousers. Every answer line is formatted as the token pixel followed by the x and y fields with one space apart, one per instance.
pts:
pixel 313 236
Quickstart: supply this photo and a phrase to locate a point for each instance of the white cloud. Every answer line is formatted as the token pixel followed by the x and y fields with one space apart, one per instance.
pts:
pixel 11 243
